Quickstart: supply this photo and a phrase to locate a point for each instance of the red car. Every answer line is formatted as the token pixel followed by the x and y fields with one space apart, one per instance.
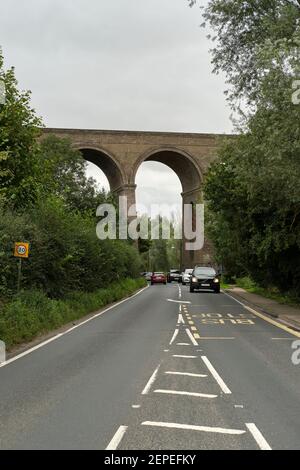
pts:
pixel 158 278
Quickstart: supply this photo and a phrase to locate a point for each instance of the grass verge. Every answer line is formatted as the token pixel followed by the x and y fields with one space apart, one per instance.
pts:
pixel 32 313
pixel 270 293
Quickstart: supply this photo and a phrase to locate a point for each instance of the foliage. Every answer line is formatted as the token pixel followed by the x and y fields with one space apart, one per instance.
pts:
pixel 251 38
pixel 65 254
pixel 161 254
pixel 32 313
pixel 253 190
pixel 62 172
pixel 19 129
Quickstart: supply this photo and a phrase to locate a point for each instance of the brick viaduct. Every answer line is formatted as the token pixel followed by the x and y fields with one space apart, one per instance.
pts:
pixel 119 155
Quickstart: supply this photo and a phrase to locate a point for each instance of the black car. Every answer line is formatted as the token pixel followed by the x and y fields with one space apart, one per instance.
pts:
pixel 205 278
pixel 174 275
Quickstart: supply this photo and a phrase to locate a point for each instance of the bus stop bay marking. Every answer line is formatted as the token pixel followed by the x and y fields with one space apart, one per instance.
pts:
pixel 225 315
pixel 221 321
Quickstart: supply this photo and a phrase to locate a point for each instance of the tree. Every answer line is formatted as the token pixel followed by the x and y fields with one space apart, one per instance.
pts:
pixel 245 32
pixel 62 172
pixel 19 130
pixel 253 190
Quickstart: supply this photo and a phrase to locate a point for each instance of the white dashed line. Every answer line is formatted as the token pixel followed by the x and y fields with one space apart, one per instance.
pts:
pixel 193 428
pixel 216 376
pixel 150 381
pixel 188 374
pixel 114 443
pixel 186 357
pixel 263 445
pixel 190 394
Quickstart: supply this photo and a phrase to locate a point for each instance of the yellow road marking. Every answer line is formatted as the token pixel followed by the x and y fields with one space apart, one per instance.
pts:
pixel 274 322
pixel 267 319
pixel 193 328
pixel 196 336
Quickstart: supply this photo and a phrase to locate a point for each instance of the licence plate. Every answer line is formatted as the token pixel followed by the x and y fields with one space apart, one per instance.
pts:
pixel 205 285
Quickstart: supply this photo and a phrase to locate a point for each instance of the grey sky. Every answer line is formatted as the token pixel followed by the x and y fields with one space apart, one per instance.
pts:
pixel 118 64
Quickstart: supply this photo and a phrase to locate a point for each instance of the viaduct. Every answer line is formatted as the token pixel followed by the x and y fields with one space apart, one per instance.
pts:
pixel 119 155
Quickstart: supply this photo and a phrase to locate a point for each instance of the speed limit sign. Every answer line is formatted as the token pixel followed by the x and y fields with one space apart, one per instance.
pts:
pixel 21 250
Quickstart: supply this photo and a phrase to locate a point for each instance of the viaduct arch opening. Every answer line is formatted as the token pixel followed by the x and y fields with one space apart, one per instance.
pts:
pixel 108 164
pixel 191 179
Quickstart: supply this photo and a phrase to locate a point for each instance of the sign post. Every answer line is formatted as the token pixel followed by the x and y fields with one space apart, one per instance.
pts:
pixel 21 251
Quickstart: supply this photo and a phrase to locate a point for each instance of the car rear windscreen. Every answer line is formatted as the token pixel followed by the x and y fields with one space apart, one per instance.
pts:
pixel 205 272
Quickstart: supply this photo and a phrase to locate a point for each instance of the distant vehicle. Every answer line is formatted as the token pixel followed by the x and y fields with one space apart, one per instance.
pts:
pixel 158 278
pixel 186 276
pixel 205 278
pixel 174 275
pixel 147 275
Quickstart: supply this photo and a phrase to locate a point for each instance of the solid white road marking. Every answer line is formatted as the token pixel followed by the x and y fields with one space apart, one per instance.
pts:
pixel 190 394
pixel 216 376
pixel 282 339
pixel 180 319
pixel 136 406
pixel 150 381
pixel 193 428
pixel 178 301
pixel 186 357
pixel 195 343
pixel 261 441
pixel 183 344
pixel 174 336
pixel 188 374
pixel 54 338
pixel 114 443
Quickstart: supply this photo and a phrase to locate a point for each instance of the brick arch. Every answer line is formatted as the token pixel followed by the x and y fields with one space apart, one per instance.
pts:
pixel 180 161
pixel 106 162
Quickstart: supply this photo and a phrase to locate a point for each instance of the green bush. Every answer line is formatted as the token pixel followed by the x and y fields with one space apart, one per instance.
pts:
pixel 65 253
pixel 32 313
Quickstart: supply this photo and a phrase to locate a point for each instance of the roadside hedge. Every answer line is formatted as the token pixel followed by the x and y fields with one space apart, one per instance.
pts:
pixel 65 253
pixel 32 313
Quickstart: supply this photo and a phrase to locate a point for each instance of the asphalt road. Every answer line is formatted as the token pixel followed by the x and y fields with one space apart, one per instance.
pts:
pixel 165 369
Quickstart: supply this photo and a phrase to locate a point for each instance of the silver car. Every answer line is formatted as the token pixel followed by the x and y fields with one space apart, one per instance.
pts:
pixel 186 276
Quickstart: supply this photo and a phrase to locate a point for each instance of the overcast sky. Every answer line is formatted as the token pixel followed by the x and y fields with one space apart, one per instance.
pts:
pixel 117 64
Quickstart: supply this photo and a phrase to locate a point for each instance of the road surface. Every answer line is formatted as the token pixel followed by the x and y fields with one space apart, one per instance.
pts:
pixel 165 369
